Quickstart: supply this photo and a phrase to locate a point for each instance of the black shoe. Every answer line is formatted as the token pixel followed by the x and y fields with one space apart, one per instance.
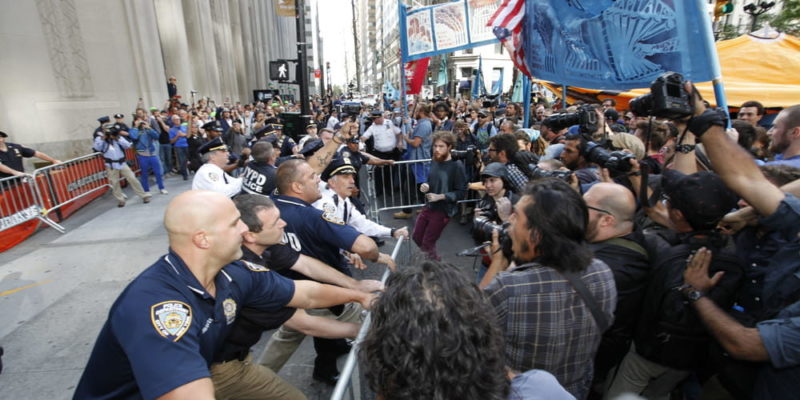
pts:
pixel 326 375
pixel 378 241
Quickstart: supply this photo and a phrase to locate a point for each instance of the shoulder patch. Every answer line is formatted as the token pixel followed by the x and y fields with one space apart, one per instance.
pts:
pixel 229 307
pixel 255 267
pixel 171 319
pixel 329 214
pixel 213 177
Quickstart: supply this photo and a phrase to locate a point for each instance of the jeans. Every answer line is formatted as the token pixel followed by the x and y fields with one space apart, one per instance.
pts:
pixel 165 153
pixel 150 164
pixel 183 154
pixel 428 229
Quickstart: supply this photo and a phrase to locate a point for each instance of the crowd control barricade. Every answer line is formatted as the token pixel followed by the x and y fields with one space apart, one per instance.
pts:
pixel 20 211
pixel 66 187
pixel 393 187
pixel 349 382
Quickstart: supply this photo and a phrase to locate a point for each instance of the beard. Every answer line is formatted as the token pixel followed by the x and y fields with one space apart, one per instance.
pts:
pixel 777 147
pixel 440 157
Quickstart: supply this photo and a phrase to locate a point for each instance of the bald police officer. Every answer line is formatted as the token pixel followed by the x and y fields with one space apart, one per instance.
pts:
pixel 211 176
pixel 162 331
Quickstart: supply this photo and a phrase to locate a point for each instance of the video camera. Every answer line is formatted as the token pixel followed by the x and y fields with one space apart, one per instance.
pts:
pixel 667 98
pixel 490 101
pixel 482 228
pixel 468 155
pixel 585 118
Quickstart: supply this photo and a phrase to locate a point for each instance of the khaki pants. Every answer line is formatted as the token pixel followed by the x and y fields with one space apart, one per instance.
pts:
pixel 285 341
pixel 245 380
pixel 641 376
pixel 114 176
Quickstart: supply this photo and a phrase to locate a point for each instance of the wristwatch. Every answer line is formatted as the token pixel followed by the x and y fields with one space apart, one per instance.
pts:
pixel 685 148
pixel 690 293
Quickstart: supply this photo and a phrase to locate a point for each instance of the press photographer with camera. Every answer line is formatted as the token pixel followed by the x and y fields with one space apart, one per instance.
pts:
pixel 145 140
pixel 556 301
pixel 113 145
pixel 491 211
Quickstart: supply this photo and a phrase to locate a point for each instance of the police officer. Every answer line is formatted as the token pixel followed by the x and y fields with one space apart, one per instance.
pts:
pixel 211 176
pixel 258 176
pixel 99 130
pixel 163 329
pixel 319 235
pixel 284 144
pixel 11 155
pixel 336 193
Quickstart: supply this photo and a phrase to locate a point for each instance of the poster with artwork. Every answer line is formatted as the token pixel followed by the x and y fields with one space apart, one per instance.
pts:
pixel 419 32
pixel 451 26
pixel 480 11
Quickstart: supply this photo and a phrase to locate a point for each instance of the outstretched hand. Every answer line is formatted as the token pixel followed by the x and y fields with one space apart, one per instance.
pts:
pixel 696 273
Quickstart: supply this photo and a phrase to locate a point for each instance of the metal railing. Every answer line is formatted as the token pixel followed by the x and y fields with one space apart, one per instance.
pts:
pixel 71 181
pixel 397 190
pixel 19 203
pixel 347 383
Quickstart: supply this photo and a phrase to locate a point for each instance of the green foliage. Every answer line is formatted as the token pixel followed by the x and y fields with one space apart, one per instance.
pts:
pixel 788 20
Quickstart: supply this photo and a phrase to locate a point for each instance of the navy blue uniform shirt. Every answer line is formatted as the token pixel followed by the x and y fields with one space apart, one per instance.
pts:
pixel 315 233
pixel 164 328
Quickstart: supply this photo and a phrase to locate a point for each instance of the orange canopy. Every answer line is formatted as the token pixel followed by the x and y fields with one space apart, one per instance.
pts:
pixel 767 70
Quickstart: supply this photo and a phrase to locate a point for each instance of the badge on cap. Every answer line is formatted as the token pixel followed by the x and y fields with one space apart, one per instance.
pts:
pixel 229 307
pixel 171 319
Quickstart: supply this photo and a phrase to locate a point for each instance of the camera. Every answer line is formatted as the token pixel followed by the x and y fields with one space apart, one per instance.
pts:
pixel 616 161
pixel 489 101
pixel 482 228
pixel 585 118
pixel 667 98
pixel 540 173
pixel 468 155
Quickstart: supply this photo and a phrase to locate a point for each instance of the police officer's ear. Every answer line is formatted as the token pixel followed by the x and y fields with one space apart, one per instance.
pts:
pixel 200 239
pixel 249 237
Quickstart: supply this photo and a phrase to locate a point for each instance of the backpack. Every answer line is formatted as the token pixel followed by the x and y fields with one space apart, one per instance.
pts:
pixel 669 331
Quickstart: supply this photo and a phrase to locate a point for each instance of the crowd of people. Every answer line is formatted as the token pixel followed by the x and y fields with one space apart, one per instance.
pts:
pixel 626 254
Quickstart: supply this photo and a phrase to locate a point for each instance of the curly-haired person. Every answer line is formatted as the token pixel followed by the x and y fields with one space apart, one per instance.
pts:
pixel 434 336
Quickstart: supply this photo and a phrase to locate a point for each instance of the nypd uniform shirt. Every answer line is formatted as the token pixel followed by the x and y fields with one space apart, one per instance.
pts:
pixel 212 177
pixel 357 159
pixel 162 331
pixel 344 211
pixel 259 178
pixel 12 158
pixel 385 136
pixel 315 233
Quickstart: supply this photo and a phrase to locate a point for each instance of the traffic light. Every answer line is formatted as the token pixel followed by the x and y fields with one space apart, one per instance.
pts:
pixel 721 8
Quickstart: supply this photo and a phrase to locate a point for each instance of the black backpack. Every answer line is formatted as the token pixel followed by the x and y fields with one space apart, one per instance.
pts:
pixel 669 331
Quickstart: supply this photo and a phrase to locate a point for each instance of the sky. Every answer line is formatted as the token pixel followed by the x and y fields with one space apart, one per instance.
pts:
pixel 336 28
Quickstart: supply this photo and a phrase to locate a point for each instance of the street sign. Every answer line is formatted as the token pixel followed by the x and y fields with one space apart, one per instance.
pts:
pixel 317 73
pixel 279 70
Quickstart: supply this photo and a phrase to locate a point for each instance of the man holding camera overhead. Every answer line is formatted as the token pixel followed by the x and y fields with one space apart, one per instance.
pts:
pixel 112 143
pixel 145 139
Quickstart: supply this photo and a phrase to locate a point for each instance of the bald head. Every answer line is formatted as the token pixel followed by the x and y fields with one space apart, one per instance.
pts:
pixel 193 211
pixel 614 198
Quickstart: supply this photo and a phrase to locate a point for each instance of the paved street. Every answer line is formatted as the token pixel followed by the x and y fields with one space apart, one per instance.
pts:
pixel 55 292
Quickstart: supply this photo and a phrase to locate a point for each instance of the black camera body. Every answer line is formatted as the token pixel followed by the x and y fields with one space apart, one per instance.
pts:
pixel 667 98
pixel 585 118
pixel 482 228
pixel 468 155
pixel 490 101
pixel 617 161
pixel 539 173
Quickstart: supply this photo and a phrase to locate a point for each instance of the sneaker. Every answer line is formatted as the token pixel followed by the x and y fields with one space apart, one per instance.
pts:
pixel 164 191
pixel 402 215
pixel 121 204
pixel 146 199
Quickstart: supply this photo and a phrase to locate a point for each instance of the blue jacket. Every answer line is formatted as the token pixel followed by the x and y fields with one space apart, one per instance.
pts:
pixel 147 142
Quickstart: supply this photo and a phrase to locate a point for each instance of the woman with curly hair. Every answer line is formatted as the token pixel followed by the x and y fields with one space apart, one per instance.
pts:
pixel 434 336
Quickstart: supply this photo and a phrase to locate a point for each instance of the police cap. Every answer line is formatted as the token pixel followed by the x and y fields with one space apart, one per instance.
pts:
pixel 311 146
pixel 104 119
pixel 339 165
pixel 212 126
pixel 213 145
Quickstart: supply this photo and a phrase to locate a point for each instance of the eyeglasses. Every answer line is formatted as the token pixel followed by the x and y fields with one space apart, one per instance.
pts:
pixel 489 150
pixel 600 210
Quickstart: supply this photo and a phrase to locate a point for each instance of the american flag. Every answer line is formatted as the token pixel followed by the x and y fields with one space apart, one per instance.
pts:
pixel 507 24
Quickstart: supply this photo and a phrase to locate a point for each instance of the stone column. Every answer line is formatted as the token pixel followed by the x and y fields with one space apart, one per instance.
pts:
pixel 146 57
pixel 174 45
pixel 203 55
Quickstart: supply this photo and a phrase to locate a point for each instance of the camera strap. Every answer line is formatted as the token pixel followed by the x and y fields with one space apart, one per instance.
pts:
pixel 576 282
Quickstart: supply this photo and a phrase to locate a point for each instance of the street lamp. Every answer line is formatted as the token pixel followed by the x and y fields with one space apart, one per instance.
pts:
pixel 756 10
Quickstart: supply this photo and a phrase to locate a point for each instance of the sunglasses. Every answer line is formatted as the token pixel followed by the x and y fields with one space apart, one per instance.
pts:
pixel 600 210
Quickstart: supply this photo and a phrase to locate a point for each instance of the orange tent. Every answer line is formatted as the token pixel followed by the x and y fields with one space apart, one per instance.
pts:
pixel 753 68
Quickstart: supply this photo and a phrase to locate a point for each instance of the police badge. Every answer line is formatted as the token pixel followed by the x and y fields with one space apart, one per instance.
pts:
pixel 229 307
pixel 255 267
pixel 213 176
pixel 171 319
pixel 329 214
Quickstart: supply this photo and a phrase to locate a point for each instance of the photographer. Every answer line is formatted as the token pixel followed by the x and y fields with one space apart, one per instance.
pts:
pixel 503 148
pixel 556 302
pixel 113 146
pixel 145 139
pixel 494 207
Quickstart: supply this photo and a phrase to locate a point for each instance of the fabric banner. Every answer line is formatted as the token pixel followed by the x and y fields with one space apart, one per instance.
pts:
pixel 285 8
pixel 616 44
pixel 442 79
pixel 416 71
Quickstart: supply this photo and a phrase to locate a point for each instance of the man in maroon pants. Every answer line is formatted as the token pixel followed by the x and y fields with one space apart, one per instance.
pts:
pixel 447 183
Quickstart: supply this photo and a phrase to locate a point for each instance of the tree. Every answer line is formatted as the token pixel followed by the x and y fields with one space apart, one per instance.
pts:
pixel 788 20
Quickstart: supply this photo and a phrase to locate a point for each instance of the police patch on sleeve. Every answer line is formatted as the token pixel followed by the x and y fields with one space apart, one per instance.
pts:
pixel 171 319
pixel 229 307
pixel 255 267
pixel 213 177
pixel 329 214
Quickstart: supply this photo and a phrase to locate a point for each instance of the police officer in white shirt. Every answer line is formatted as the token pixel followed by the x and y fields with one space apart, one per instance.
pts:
pixel 211 176
pixel 335 201
pixel 385 134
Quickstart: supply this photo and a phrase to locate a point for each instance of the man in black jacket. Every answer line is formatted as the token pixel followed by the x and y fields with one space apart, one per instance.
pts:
pixel 614 240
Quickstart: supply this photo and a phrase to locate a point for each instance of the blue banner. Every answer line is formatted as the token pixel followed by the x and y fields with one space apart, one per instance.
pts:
pixel 616 44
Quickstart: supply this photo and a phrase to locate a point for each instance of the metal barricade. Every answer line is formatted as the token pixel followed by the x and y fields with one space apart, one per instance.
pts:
pixel 65 187
pixel 392 187
pixel 348 382
pixel 20 211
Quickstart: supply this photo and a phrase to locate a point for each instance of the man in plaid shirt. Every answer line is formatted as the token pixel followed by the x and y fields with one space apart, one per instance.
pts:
pixel 547 324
